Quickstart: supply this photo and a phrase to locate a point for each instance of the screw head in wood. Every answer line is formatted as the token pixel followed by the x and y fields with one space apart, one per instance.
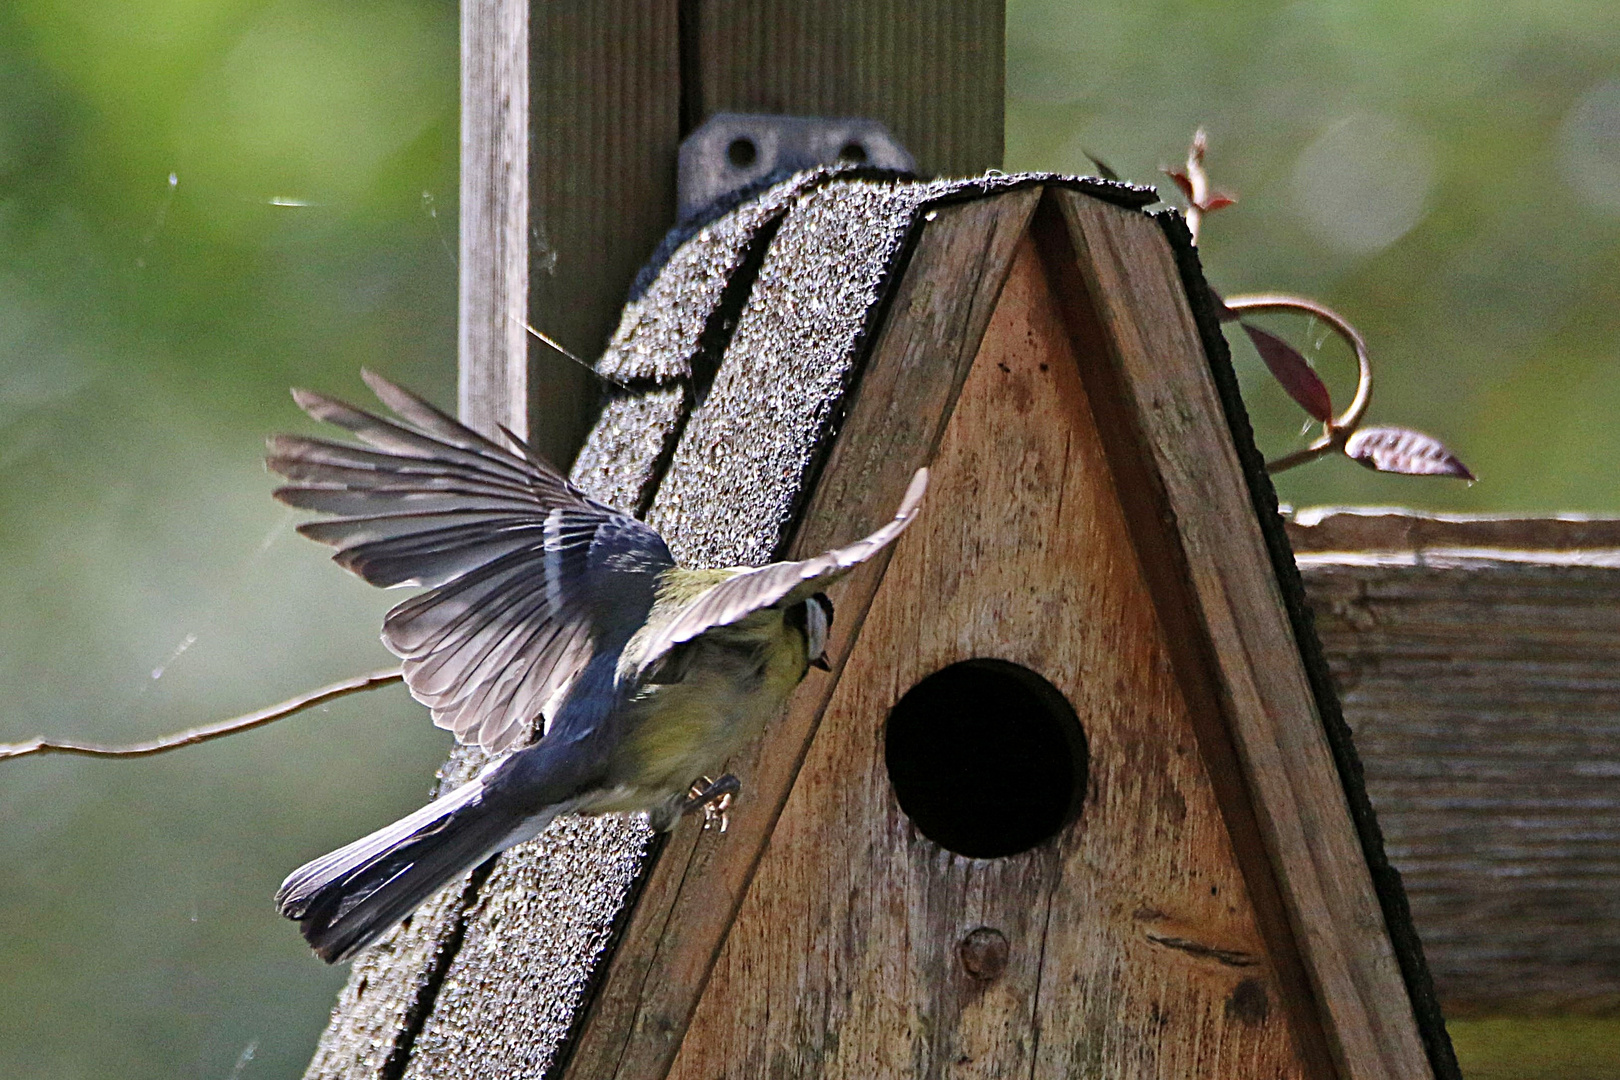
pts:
pixel 984 953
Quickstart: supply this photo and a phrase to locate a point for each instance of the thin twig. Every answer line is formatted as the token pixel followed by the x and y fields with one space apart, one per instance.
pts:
pixel 191 736
pixel 547 339
pixel 1340 428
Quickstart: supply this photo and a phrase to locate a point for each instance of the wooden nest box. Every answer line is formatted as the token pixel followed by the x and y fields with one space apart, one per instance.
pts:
pixel 1076 800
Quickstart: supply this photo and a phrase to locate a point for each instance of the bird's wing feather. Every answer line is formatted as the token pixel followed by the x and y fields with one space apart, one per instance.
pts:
pixel 512 555
pixel 785 582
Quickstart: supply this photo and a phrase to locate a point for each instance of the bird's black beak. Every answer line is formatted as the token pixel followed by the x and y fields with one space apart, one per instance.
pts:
pixel 821 662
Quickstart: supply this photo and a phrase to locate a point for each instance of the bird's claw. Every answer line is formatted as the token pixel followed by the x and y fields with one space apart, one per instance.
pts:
pixel 715 798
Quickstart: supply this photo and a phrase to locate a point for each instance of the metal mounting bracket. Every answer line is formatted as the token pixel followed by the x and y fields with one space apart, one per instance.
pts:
pixel 730 151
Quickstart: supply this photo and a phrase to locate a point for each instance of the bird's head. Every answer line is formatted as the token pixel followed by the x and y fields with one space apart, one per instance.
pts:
pixel 814 618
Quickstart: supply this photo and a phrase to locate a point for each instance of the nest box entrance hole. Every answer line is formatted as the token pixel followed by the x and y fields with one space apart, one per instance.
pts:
pixel 987 758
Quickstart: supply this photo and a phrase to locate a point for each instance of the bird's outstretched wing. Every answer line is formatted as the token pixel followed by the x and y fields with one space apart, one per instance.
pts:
pixel 779 583
pixel 518 562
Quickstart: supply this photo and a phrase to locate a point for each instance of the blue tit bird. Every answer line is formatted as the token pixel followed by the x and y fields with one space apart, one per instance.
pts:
pixel 549 614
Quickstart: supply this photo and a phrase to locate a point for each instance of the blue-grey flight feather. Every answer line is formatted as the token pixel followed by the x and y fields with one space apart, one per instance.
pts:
pixel 346 898
pixel 516 560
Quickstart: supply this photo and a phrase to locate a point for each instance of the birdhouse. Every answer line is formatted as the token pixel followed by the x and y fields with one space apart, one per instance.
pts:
pixel 1076 798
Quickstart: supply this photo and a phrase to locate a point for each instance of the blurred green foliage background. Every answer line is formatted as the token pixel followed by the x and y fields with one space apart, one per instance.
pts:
pixel 203 202
pixel 1446 173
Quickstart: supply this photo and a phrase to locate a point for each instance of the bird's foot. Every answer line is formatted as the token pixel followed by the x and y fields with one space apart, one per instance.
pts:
pixel 714 797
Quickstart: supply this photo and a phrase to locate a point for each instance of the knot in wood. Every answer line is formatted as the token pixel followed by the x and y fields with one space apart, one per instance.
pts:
pixel 984 953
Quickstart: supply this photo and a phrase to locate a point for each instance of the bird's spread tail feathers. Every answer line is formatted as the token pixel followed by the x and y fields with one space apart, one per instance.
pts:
pixel 348 898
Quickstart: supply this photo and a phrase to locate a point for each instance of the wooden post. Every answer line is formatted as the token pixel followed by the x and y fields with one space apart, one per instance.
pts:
pixel 604 116
pixel 595 95
pixel 494 271
pixel 933 72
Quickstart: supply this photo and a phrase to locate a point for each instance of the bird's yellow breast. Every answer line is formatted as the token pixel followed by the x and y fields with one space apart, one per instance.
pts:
pixel 737 679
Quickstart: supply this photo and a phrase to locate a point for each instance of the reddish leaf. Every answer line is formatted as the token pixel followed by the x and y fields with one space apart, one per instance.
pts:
pixel 1183 181
pixel 1104 170
pixel 1402 450
pixel 1220 200
pixel 1290 369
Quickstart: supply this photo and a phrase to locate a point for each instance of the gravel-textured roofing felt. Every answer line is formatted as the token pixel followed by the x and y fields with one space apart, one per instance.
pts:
pixel 489 981
pixel 657 336
pixel 624 455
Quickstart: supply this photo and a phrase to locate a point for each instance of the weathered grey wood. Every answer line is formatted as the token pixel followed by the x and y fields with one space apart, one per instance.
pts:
pixel 493 267
pixel 1384 528
pixel 612 81
pixel 609 84
pixel 605 125
pixel 1132 947
pixel 1477 658
pixel 1483 685
pixel 1206 522
pixel 661 966
pixel 934 73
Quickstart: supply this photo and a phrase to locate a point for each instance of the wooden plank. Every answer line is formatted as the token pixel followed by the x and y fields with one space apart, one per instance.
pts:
pixel 1476 658
pixel 494 263
pixel 935 73
pixel 605 126
pixel 1383 528
pixel 1485 698
pixel 1191 507
pixel 1132 947
pixel 663 960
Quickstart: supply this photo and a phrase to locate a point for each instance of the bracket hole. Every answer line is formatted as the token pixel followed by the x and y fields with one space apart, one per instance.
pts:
pixel 742 153
pixel 852 151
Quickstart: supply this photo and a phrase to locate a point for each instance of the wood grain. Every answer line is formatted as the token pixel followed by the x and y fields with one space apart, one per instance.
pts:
pixel 493 267
pixel 1383 528
pixel 1194 495
pixel 1476 658
pixel 605 125
pixel 1485 698
pixel 662 963
pixel 934 75
pixel 1133 946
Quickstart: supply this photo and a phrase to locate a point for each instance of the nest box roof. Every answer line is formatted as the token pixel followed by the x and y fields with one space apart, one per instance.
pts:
pixel 740 360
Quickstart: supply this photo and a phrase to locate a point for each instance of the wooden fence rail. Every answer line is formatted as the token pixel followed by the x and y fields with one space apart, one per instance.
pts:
pixel 1478 660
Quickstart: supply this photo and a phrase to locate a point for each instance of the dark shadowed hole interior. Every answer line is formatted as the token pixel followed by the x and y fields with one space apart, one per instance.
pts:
pixel 852 151
pixel 987 758
pixel 742 152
